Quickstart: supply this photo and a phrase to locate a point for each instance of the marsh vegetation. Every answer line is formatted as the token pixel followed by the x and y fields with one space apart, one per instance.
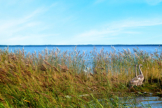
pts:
pixel 66 79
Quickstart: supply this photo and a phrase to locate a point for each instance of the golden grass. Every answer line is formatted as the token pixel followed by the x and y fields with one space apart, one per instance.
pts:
pixel 45 80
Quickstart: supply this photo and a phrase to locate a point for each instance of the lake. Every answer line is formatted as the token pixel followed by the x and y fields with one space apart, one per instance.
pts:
pixel 83 48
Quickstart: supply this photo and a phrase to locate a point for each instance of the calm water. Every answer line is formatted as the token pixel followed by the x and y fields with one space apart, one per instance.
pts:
pixel 86 48
pixel 154 102
pixel 146 102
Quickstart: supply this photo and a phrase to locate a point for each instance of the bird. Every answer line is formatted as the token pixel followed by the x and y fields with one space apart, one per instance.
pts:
pixel 140 76
pixel 86 70
pixel 135 80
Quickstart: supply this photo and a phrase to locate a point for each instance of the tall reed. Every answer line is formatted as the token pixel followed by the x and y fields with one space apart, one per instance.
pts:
pixel 66 79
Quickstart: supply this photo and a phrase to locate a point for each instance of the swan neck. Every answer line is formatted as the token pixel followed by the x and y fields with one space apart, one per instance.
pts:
pixel 136 70
pixel 140 71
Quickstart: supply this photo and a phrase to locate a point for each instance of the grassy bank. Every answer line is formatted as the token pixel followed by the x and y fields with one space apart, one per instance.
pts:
pixel 59 79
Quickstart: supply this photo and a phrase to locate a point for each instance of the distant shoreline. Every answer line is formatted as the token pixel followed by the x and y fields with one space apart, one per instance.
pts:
pixel 116 45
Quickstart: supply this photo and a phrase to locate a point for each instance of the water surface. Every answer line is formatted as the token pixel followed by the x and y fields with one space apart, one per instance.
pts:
pixel 84 48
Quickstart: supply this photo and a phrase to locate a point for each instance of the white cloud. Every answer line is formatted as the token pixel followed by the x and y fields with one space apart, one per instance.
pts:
pixel 98 1
pixel 34 28
pixel 31 39
pixel 150 2
pixel 17 39
pixel 91 36
pixel 153 2
pixel 92 33
pixel 7 24
pixel 131 23
pixel 10 28
pixel 113 31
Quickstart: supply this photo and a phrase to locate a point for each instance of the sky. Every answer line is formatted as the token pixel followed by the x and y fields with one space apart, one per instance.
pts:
pixel 77 22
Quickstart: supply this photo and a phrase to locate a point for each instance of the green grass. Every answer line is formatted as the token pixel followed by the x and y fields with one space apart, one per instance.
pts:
pixel 57 79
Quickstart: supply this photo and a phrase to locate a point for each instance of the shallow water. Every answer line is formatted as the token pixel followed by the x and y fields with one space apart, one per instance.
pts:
pixel 146 102
pixel 154 102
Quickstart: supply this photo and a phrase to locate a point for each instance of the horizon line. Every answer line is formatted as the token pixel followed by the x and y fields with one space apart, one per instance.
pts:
pixel 88 45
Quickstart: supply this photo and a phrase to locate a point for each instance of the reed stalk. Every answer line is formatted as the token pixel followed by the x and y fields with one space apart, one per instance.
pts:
pixel 66 79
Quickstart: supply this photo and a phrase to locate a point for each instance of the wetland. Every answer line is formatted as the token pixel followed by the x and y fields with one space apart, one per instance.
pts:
pixel 52 78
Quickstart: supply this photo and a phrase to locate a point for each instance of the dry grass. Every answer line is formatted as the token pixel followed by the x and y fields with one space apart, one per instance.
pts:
pixel 28 80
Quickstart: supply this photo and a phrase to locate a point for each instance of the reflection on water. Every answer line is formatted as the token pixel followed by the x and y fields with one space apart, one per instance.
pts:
pixel 145 102
pixel 153 102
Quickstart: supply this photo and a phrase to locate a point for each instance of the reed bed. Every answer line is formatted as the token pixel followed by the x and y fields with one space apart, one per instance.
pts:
pixel 66 79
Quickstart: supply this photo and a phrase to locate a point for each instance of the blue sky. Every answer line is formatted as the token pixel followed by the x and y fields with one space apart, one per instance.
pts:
pixel 64 22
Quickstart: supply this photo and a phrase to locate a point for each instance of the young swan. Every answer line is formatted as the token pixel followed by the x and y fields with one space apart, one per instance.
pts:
pixel 140 76
pixel 135 80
